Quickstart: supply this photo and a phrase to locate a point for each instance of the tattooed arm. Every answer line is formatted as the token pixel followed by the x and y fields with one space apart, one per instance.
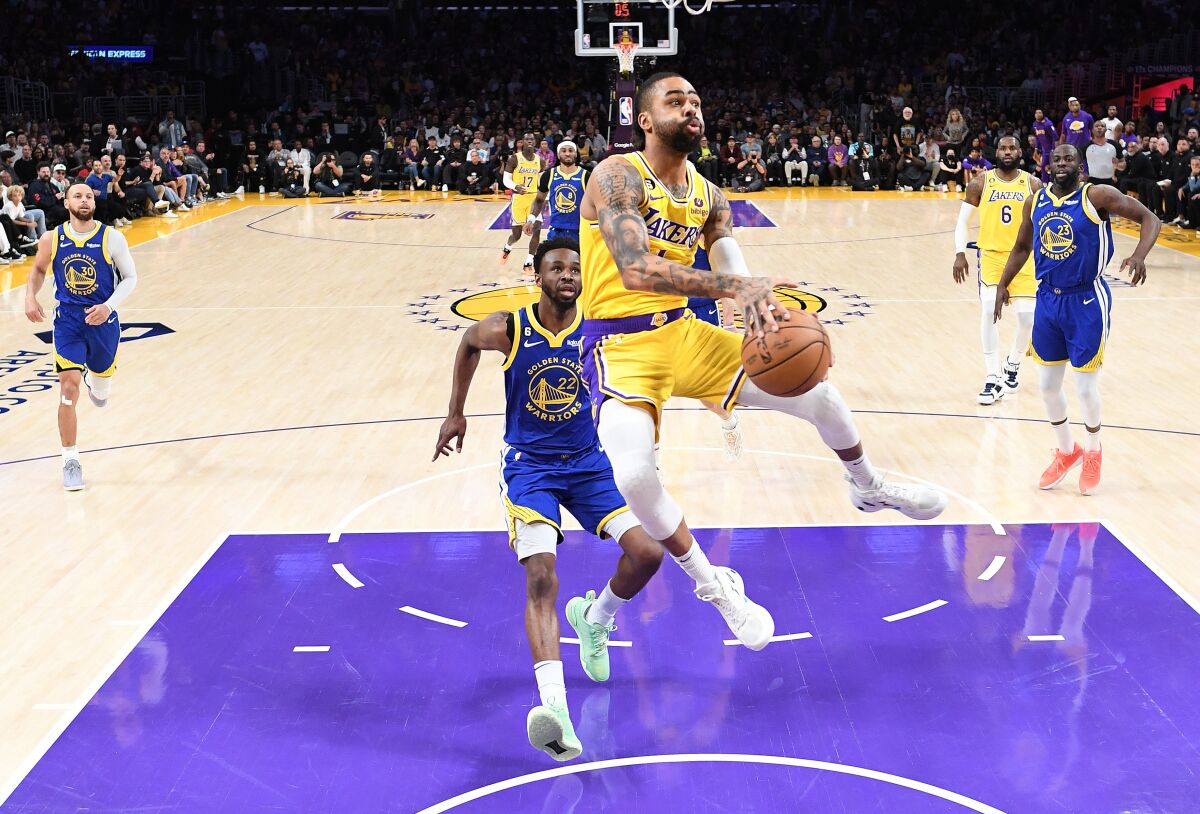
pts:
pixel 612 198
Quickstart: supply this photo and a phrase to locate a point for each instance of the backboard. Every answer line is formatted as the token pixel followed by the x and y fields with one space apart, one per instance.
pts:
pixel 649 23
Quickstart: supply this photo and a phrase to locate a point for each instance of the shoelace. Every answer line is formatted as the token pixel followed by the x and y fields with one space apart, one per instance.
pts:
pixel 1091 465
pixel 600 638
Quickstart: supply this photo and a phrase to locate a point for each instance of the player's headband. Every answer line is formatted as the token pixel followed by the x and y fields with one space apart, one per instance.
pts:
pixel 567 144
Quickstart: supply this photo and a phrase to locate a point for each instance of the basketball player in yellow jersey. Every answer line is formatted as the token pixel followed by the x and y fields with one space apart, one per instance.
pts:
pixel 642 216
pixel 521 173
pixel 999 195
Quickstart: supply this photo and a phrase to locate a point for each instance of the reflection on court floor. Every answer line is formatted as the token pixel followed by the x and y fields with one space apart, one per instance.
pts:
pixel 919 668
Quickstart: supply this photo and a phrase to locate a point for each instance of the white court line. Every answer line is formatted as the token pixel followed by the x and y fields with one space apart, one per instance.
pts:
pixel 991 519
pixel 928 606
pixel 341 525
pixel 51 706
pixel 183 228
pixel 311 648
pixel 770 760
pixel 611 643
pixel 24 767
pixel 1152 565
pixel 1047 637
pixel 787 637
pixel 433 617
pixel 993 567
pixel 347 577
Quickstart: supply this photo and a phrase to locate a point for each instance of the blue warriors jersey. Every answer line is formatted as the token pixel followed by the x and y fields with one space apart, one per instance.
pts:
pixel 1072 244
pixel 565 196
pixel 84 272
pixel 547 412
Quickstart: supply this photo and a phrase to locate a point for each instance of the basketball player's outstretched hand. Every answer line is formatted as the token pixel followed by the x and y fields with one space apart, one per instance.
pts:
pixel 454 428
pixel 1137 270
pixel 756 298
pixel 33 310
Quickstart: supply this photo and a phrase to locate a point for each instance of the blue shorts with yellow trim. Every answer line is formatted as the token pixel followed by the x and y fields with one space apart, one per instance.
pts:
pixel 1072 325
pixel 78 345
pixel 706 309
pixel 686 357
pixel 534 487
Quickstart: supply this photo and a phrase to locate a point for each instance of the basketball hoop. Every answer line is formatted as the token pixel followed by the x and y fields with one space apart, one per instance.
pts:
pixel 705 5
pixel 626 48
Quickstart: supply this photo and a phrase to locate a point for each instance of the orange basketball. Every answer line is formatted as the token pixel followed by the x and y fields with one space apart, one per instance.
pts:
pixel 792 361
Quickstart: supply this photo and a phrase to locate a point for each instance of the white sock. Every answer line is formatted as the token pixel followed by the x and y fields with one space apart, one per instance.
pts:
pixel 529 259
pixel 1092 444
pixel 551 687
pixel 696 565
pixel 730 424
pixel 1062 434
pixel 70 454
pixel 507 246
pixel 861 471
pixel 1015 364
pixel 604 609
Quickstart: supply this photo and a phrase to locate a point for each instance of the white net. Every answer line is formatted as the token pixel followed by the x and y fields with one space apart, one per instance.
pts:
pixel 704 6
pixel 625 54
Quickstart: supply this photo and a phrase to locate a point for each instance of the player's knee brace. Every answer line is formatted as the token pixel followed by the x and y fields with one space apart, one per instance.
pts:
pixel 101 386
pixel 535 538
pixel 627 435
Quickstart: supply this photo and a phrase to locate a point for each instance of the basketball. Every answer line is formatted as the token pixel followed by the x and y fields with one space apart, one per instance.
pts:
pixel 791 361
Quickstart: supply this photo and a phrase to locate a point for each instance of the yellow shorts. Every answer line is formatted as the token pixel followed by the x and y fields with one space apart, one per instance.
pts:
pixel 519 208
pixel 991 268
pixel 689 357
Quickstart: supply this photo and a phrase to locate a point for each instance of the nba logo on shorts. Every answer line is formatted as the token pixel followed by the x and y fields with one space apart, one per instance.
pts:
pixel 626 110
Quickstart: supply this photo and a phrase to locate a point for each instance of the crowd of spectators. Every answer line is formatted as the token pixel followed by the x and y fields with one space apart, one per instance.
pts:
pixel 333 105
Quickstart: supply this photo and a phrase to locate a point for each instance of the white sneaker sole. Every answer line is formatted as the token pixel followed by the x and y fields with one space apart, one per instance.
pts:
pixel 1063 477
pixel 545 734
pixel 984 400
pixel 912 513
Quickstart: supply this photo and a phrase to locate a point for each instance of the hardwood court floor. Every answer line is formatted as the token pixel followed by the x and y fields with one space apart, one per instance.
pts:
pixel 306 372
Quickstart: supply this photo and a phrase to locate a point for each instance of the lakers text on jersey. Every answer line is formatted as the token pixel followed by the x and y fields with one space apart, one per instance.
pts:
pixel 1001 206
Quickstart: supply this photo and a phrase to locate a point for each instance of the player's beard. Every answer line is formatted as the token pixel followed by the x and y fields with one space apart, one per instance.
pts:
pixel 675 137
pixel 75 213
pixel 1071 180
pixel 1008 165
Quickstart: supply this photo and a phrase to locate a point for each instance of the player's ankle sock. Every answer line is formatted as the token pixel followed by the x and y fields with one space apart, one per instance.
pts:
pixel 861 472
pixel 1092 444
pixel 507 248
pixel 696 565
pixel 730 423
pixel 528 260
pixel 1062 435
pixel 1015 364
pixel 605 608
pixel 70 454
pixel 551 687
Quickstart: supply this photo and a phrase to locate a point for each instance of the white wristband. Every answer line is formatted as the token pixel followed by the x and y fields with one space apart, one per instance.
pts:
pixel 534 219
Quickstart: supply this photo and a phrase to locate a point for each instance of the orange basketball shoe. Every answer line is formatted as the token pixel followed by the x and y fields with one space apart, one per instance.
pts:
pixel 1063 463
pixel 1089 479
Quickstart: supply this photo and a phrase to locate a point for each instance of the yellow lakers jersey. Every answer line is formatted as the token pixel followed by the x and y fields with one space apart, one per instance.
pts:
pixel 674 226
pixel 527 173
pixel 1000 209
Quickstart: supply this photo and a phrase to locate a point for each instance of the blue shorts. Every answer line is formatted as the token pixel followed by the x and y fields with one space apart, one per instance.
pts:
pixel 556 232
pixel 78 345
pixel 1072 326
pixel 534 487
pixel 705 309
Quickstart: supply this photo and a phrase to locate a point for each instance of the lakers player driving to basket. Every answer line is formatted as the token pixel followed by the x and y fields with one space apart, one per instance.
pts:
pixel 643 215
